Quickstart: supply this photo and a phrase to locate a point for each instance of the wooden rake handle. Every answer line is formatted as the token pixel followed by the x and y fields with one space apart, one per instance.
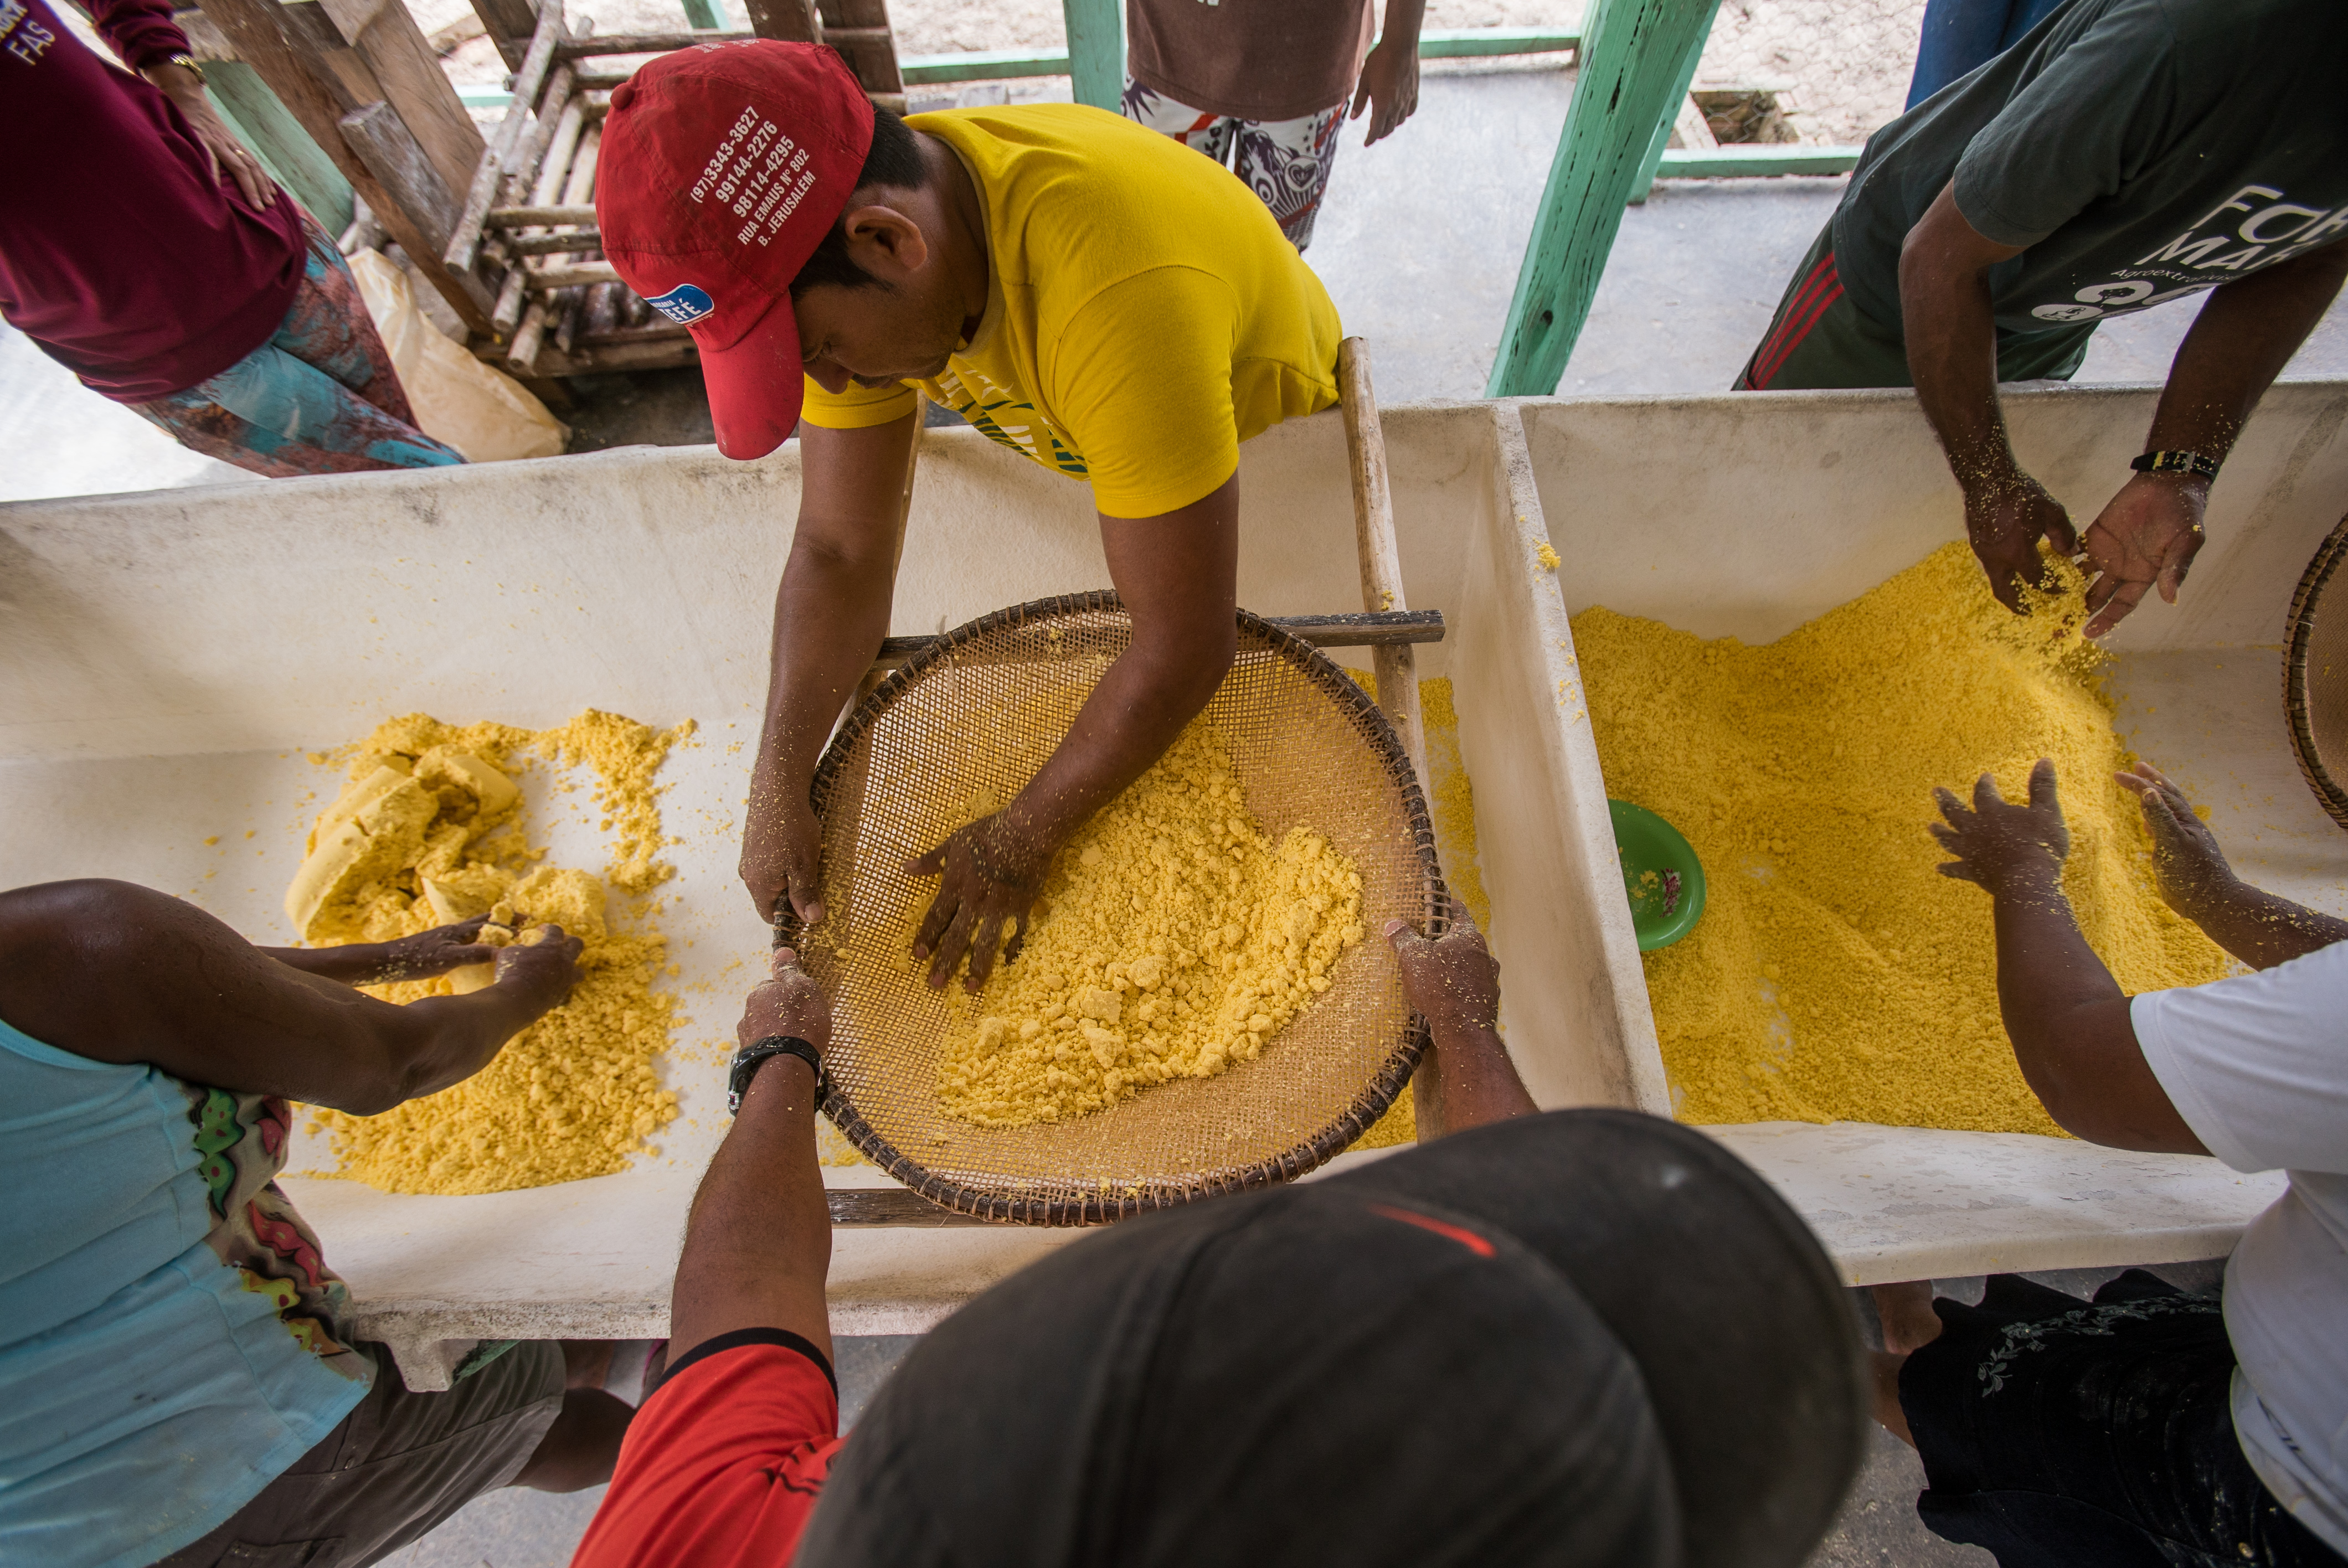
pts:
pixel 1373 541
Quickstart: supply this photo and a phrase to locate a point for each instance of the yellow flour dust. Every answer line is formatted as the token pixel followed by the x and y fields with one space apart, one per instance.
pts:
pixel 1835 975
pixel 1172 939
pixel 425 833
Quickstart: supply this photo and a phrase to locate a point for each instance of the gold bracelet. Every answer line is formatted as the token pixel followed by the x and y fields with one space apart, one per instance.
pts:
pixel 187 63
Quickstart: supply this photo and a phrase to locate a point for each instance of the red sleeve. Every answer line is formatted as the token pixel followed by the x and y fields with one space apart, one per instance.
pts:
pixel 723 1465
pixel 140 32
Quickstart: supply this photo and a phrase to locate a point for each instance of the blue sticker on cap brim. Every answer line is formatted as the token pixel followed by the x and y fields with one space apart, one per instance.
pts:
pixel 683 304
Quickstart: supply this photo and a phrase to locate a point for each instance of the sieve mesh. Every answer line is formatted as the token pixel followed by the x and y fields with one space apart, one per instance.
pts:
pixel 2315 675
pixel 963 726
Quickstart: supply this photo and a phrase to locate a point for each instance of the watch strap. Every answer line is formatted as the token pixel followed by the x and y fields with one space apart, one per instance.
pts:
pixel 2177 461
pixel 750 1058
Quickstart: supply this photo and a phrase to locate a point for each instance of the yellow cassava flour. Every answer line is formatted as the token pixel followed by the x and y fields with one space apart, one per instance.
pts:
pixel 1835 975
pixel 1172 939
pixel 427 832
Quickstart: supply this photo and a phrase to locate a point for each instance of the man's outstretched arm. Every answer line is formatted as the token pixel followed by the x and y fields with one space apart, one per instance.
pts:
pixel 2066 1016
pixel 758 1244
pixel 116 972
pixel 2259 927
pixel 1465 1079
pixel 1951 327
pixel 831 613
pixel 1177 574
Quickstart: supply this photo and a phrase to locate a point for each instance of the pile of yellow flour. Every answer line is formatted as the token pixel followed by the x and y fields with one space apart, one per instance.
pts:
pixel 1172 939
pixel 1835 975
pixel 425 833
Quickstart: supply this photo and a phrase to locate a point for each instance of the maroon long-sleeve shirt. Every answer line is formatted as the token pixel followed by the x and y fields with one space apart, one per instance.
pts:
pixel 121 254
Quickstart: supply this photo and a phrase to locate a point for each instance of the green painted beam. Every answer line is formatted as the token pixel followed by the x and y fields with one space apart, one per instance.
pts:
pixel 277 139
pixel 1458 43
pixel 1662 144
pixel 1632 63
pixel 703 15
pixel 1742 159
pixel 1097 51
pixel 984 66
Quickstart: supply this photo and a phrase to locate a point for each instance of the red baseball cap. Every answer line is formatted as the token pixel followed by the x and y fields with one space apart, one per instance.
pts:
pixel 723 168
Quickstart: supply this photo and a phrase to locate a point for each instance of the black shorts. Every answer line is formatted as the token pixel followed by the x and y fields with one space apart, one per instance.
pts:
pixel 2060 1434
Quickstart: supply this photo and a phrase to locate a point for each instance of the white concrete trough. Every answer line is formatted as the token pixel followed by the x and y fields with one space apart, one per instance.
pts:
pixel 167 660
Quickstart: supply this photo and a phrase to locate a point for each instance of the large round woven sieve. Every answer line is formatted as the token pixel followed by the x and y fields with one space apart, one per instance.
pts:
pixel 962 727
pixel 2315 674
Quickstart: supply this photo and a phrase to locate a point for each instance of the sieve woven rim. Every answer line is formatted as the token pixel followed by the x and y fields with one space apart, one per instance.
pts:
pixel 2299 633
pixel 1097 1208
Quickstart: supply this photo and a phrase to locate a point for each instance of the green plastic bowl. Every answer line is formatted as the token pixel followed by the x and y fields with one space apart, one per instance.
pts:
pixel 1652 852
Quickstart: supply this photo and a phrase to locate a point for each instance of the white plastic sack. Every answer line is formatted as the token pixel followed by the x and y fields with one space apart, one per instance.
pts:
pixel 479 410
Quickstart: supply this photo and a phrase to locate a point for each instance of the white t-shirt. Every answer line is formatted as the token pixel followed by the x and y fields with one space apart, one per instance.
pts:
pixel 2258 1066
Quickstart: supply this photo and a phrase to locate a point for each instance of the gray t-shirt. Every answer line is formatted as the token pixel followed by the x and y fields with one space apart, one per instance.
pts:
pixel 2138 149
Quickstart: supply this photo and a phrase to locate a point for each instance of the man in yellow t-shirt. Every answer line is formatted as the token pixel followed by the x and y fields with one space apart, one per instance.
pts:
pixel 1095 296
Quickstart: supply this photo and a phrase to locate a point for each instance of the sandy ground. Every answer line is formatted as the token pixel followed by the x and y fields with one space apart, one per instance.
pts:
pixel 1842 65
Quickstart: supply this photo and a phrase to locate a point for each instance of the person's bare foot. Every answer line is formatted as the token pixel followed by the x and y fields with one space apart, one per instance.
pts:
pixel 1905 1310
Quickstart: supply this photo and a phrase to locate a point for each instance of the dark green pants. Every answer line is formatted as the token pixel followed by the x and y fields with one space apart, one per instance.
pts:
pixel 1819 339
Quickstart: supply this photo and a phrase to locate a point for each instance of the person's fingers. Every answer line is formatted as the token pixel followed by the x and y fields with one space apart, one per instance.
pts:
pixel 1403 937
pixel 2176 562
pixel 2145 770
pixel 471 953
pixel 1361 96
pixel 1986 794
pixel 2043 796
pixel 2124 598
pixel 1962 870
pixel 985 944
pixel 2062 533
pixel 953 946
pixel 1948 838
pixel 784 962
pixel 2135 784
pixel 943 909
pixel 933 863
pixel 1018 940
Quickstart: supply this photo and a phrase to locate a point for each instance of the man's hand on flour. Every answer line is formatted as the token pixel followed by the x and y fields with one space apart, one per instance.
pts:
pixel 1453 981
pixel 2145 538
pixel 2005 846
pixel 2194 878
pixel 2006 514
pixel 541 964
pixel 989 873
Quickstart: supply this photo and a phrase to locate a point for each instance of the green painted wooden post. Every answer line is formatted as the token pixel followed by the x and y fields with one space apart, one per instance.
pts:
pixel 1631 58
pixel 702 14
pixel 1671 116
pixel 1097 51
pixel 277 139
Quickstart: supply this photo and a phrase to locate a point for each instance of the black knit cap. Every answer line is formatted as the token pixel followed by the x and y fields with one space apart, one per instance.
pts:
pixel 1588 1337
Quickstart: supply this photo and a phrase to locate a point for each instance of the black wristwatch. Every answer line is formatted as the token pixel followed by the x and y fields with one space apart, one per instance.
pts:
pixel 750 1058
pixel 2176 462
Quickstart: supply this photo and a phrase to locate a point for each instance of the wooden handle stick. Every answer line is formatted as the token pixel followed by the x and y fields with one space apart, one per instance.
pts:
pixel 1374 539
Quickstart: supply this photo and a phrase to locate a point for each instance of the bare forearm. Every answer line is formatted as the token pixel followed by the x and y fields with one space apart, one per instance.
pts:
pixel 1467 1080
pixel 353 963
pixel 1131 717
pixel 758 1244
pixel 2246 333
pixel 1402 21
pixel 2262 929
pixel 444 1040
pixel 1950 329
pixel 830 617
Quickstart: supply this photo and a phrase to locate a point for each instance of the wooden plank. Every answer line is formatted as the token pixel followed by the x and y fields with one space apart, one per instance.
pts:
pixel 279 141
pixel 264 38
pixel 865 1208
pixel 524 217
pixel 510 24
pixel 548 278
pixel 1746 159
pixel 1097 51
pixel 704 15
pixel 641 43
pixel 860 30
pixel 984 66
pixel 1349 630
pixel 1630 62
pixel 1373 542
pixel 414 83
pixel 792 21
pixel 390 151
pixel 562 242
pixel 465 237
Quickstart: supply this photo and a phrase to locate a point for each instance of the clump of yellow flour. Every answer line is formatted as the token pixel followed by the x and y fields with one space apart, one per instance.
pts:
pixel 1173 938
pixel 1835 975
pixel 425 833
